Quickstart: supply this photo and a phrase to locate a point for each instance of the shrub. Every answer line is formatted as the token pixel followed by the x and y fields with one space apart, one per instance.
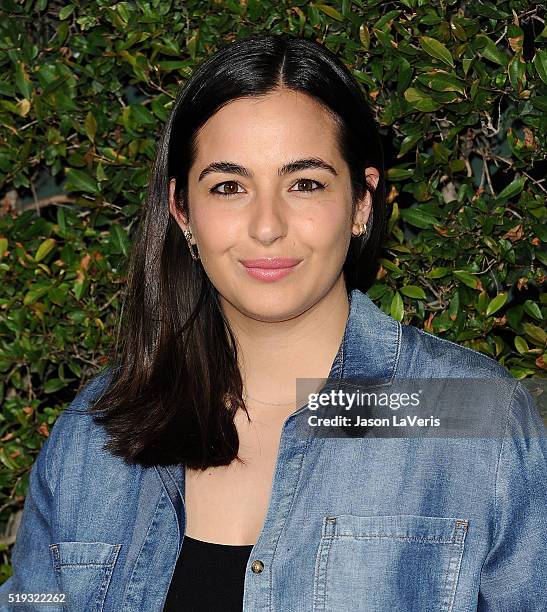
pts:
pixel 460 93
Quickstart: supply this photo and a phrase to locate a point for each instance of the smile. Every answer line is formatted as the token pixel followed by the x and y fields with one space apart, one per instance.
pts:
pixel 270 274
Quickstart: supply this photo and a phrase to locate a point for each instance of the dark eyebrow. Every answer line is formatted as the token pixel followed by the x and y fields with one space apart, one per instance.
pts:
pixel 293 166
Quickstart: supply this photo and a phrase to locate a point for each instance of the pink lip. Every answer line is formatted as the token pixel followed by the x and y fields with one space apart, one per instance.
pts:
pixel 271 269
pixel 269 263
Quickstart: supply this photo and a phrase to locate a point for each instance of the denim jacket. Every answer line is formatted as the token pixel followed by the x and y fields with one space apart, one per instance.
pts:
pixel 353 524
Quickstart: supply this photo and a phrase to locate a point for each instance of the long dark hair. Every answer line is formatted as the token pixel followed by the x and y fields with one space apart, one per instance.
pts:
pixel 175 384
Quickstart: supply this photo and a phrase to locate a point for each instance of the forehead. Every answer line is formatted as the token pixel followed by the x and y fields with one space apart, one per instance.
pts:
pixel 280 124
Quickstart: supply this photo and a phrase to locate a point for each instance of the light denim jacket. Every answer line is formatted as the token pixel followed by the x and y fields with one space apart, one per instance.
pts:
pixel 353 524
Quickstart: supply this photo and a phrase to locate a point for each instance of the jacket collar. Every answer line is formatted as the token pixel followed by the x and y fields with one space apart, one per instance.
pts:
pixel 372 341
pixel 370 349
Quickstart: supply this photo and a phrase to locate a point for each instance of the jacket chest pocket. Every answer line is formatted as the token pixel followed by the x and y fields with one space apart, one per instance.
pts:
pixel 84 571
pixel 386 563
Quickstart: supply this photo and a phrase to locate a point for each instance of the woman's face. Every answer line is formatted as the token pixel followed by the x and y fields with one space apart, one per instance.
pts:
pixel 246 202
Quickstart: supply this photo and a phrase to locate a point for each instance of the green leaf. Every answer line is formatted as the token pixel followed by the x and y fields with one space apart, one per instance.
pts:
pixel 482 302
pixel 442 81
pixel 77 180
pixel 436 49
pixel 142 115
pixel 8 461
pixel 399 174
pixel 540 64
pixel 386 20
pixel 389 265
pixel 418 217
pixel 44 249
pixel 521 373
pixel 90 126
pixel 53 384
pixel 438 272
pixel 467 278
pixel 408 143
pixel 513 189
pixel 404 74
pixel 457 165
pixel 413 291
pixel 496 303
pixel 397 307
pixel 62 32
pixel 122 11
pixel 168 65
pixel 192 44
pixel 22 80
pixel 488 49
pixel 516 71
pixel 330 11
pixel 35 294
pixel 364 36
pixel 376 291
pixel 101 174
pixel 533 310
pixel 66 12
pixel 487 9
pixel 521 345
pixel 535 333
pixel 120 238
pixel 440 153
pixel 466 63
pixel 539 102
pixel 57 295
pixel 79 288
pixel 420 100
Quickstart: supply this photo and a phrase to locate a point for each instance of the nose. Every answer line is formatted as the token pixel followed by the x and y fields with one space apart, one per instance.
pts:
pixel 268 220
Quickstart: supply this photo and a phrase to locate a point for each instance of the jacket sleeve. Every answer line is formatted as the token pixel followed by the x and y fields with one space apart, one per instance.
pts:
pixel 31 558
pixel 31 563
pixel 514 573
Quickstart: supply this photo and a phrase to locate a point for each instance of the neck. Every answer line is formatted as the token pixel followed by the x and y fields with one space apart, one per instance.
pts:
pixel 272 355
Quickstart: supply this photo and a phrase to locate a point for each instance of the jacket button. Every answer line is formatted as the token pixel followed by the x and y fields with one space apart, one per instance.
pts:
pixel 257 566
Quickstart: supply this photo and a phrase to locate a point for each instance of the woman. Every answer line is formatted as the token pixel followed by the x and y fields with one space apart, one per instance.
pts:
pixel 184 476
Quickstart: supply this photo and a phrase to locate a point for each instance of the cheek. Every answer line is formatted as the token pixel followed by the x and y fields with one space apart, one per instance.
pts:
pixel 326 225
pixel 216 229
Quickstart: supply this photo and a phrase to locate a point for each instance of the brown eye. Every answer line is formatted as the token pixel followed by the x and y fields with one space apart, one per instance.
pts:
pixel 307 185
pixel 231 187
pixel 230 190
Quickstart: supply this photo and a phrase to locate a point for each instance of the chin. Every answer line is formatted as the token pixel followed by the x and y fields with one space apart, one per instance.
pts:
pixel 271 306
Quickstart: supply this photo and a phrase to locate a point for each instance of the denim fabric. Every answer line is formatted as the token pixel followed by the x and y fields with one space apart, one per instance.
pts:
pixel 361 524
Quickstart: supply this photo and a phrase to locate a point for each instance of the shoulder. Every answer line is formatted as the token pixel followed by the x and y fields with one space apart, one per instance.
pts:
pixel 424 355
pixel 437 356
pixel 75 434
pixel 77 418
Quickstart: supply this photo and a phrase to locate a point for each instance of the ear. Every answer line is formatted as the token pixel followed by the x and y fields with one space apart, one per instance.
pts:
pixel 179 217
pixel 362 211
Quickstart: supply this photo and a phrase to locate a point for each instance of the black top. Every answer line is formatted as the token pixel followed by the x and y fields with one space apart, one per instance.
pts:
pixel 208 577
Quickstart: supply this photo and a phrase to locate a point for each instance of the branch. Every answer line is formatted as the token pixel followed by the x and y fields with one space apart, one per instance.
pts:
pixel 55 199
pixel 10 202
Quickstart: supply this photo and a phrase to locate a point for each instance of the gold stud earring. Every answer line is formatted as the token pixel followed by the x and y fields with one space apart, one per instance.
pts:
pixel 362 229
pixel 188 236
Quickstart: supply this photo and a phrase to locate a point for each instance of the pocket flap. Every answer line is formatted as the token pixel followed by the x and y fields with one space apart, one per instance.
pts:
pixel 402 526
pixel 84 553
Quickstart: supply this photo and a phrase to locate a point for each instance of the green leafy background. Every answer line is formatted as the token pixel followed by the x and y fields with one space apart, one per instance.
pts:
pixel 459 90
